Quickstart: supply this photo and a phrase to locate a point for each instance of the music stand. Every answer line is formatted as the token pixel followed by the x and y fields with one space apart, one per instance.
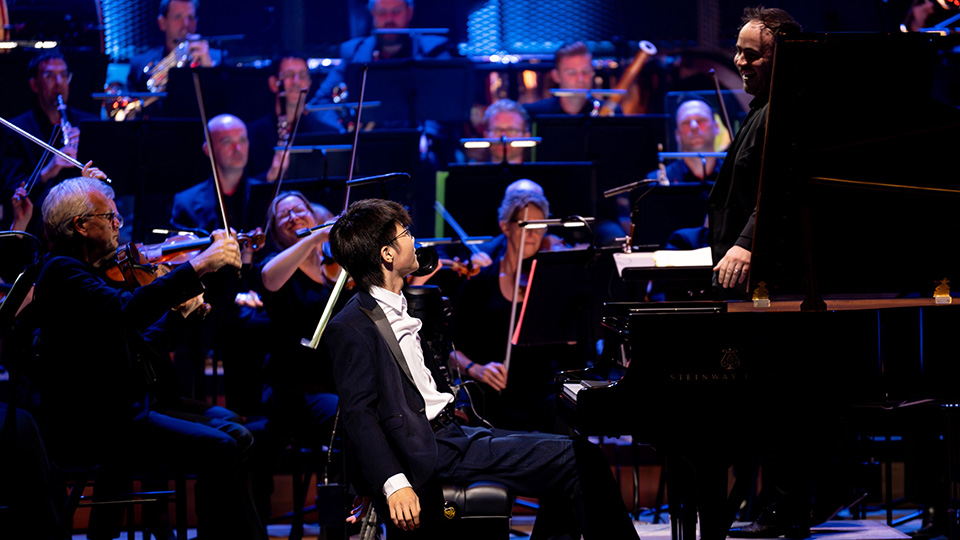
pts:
pixel 412 91
pixel 549 317
pixel 667 208
pixel 623 147
pixel 161 158
pixel 473 192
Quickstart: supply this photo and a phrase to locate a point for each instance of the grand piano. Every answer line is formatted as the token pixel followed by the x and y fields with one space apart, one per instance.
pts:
pixel 855 233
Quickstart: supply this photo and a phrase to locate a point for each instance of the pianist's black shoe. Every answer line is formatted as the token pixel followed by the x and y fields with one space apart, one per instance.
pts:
pixel 772 523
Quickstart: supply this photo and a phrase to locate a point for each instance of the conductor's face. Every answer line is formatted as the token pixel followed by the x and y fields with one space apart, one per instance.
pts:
pixel 754 58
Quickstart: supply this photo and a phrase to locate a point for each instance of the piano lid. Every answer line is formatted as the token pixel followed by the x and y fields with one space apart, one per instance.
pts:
pixel 860 178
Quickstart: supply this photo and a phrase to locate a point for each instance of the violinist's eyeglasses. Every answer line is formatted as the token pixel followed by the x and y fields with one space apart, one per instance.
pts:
pixel 406 232
pixel 109 216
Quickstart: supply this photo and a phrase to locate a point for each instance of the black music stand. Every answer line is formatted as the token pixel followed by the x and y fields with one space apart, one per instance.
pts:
pixel 623 147
pixel 551 317
pixel 413 91
pixel 665 209
pixel 473 192
pixel 864 209
pixel 242 92
pixel 159 158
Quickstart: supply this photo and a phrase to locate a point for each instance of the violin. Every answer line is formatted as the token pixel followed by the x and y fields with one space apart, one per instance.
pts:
pixel 464 269
pixel 136 264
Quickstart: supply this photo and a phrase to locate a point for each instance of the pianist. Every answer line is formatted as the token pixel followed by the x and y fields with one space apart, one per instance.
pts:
pixel 398 408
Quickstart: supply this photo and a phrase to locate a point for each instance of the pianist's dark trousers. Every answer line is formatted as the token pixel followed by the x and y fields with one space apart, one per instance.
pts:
pixel 571 477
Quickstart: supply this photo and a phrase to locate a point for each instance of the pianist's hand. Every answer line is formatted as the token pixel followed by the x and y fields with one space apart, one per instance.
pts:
pixel 493 374
pixel 733 267
pixel 405 509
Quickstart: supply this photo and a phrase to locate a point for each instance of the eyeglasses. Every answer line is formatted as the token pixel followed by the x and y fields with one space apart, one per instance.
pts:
pixel 51 77
pixel 109 216
pixel 406 232
pixel 292 213
pixel 508 132
pixel 302 75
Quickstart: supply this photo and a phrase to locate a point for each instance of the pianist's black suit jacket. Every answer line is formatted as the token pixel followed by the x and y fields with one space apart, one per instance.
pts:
pixel 383 412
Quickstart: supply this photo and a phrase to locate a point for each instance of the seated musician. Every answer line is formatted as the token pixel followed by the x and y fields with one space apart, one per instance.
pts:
pixel 197 207
pixel 177 19
pixel 696 131
pixel 572 69
pixel 98 348
pixel 506 118
pixel 385 14
pixel 290 76
pixel 297 284
pixel 397 406
pixel 482 322
pixel 49 77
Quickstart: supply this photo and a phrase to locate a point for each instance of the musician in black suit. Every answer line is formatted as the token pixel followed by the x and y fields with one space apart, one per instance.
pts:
pixel 386 14
pixel 197 207
pixel 96 342
pixel 49 77
pixel 398 409
pixel 178 22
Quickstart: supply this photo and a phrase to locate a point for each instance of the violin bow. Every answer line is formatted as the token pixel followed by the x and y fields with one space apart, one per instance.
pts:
pixel 356 136
pixel 342 279
pixel 20 131
pixel 211 153
pixel 516 294
pixel 438 206
pixel 286 150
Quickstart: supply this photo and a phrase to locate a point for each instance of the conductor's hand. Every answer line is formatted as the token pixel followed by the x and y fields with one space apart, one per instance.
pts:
pixel 224 251
pixel 493 374
pixel 405 509
pixel 733 267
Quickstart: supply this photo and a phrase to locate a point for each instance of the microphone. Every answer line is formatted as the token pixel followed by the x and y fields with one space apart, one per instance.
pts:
pixel 378 178
pixel 627 187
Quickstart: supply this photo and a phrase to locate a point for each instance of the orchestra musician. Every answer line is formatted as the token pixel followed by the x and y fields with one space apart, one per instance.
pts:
pixel 49 78
pixel 291 76
pixel 101 344
pixel 572 69
pixel 482 324
pixel 696 131
pixel 177 19
pixel 197 207
pixel 506 118
pixel 397 406
pixel 385 14
pixel 297 284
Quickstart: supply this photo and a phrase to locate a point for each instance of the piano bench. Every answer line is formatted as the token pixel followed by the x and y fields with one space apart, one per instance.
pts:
pixel 481 510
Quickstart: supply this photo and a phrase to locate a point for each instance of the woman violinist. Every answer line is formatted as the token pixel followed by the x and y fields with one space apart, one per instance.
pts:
pixel 297 282
pixel 483 321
